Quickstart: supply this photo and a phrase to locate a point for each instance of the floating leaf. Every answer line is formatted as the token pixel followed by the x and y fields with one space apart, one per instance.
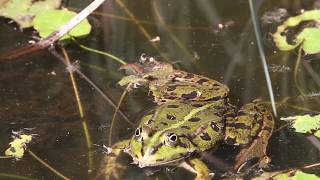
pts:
pixel 317 133
pixel 50 21
pixel 308 37
pixel 18 146
pixel 311 40
pixel 288 175
pixel 23 11
pixel 297 175
pixel 305 123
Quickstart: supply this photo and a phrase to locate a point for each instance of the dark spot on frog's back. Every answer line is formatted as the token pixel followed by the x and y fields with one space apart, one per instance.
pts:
pixel 185 127
pixel 172 106
pixel 239 125
pixel 171 117
pixel 216 98
pixel 171 88
pixel 205 136
pixel 191 95
pixel 197 105
pixel 164 123
pixel 201 81
pixel 172 97
pixel 194 119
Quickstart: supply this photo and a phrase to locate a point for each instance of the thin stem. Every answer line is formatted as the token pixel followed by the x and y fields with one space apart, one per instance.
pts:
pixel 295 73
pixel 99 52
pixel 13 176
pixel 114 118
pixel 107 98
pixel 80 108
pixel 262 56
pixel 47 165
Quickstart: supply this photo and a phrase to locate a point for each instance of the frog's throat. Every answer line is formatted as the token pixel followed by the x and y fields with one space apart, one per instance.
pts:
pixel 142 163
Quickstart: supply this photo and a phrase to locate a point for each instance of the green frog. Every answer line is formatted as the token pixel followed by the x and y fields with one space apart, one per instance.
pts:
pixel 193 115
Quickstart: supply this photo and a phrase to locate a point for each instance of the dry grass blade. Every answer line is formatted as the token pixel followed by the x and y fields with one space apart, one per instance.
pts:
pixel 81 112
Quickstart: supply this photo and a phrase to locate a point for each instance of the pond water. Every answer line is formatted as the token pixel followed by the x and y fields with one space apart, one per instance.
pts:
pixel 212 38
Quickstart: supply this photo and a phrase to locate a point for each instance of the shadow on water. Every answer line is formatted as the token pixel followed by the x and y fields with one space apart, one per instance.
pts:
pixel 213 38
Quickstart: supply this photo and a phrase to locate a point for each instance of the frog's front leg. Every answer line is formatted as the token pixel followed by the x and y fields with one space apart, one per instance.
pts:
pixel 198 167
pixel 112 167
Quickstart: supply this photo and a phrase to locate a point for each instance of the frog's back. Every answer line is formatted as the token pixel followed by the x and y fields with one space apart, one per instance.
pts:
pixel 201 123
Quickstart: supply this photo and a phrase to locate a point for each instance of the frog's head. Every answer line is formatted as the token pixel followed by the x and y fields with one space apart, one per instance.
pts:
pixel 158 148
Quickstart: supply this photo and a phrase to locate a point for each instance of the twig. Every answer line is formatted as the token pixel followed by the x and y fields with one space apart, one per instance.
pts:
pixel 53 37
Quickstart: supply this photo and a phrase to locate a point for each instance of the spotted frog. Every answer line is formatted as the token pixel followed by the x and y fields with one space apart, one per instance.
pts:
pixel 193 115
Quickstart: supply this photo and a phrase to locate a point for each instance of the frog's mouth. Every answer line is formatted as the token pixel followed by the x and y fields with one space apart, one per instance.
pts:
pixel 146 162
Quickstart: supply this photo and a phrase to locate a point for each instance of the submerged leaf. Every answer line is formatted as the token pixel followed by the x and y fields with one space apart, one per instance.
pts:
pixel 304 123
pixel 50 21
pixel 23 11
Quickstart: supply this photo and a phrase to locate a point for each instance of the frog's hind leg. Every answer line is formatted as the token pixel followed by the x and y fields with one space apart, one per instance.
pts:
pixel 252 128
pixel 253 120
pixel 198 167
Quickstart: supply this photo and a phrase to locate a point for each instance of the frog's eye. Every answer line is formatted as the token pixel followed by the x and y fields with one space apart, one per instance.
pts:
pixel 172 139
pixel 138 132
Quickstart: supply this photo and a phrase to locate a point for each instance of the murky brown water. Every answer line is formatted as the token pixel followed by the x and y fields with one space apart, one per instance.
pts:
pixel 213 38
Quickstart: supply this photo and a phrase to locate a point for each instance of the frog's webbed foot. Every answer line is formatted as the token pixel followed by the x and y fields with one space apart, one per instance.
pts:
pixel 198 167
pixel 114 169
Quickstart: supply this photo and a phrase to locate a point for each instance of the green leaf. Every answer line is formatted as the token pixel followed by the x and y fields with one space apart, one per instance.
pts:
pixel 287 175
pixel 23 11
pixel 283 176
pixel 317 134
pixel 305 123
pixel 18 146
pixel 50 21
pixel 299 175
pixel 310 38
